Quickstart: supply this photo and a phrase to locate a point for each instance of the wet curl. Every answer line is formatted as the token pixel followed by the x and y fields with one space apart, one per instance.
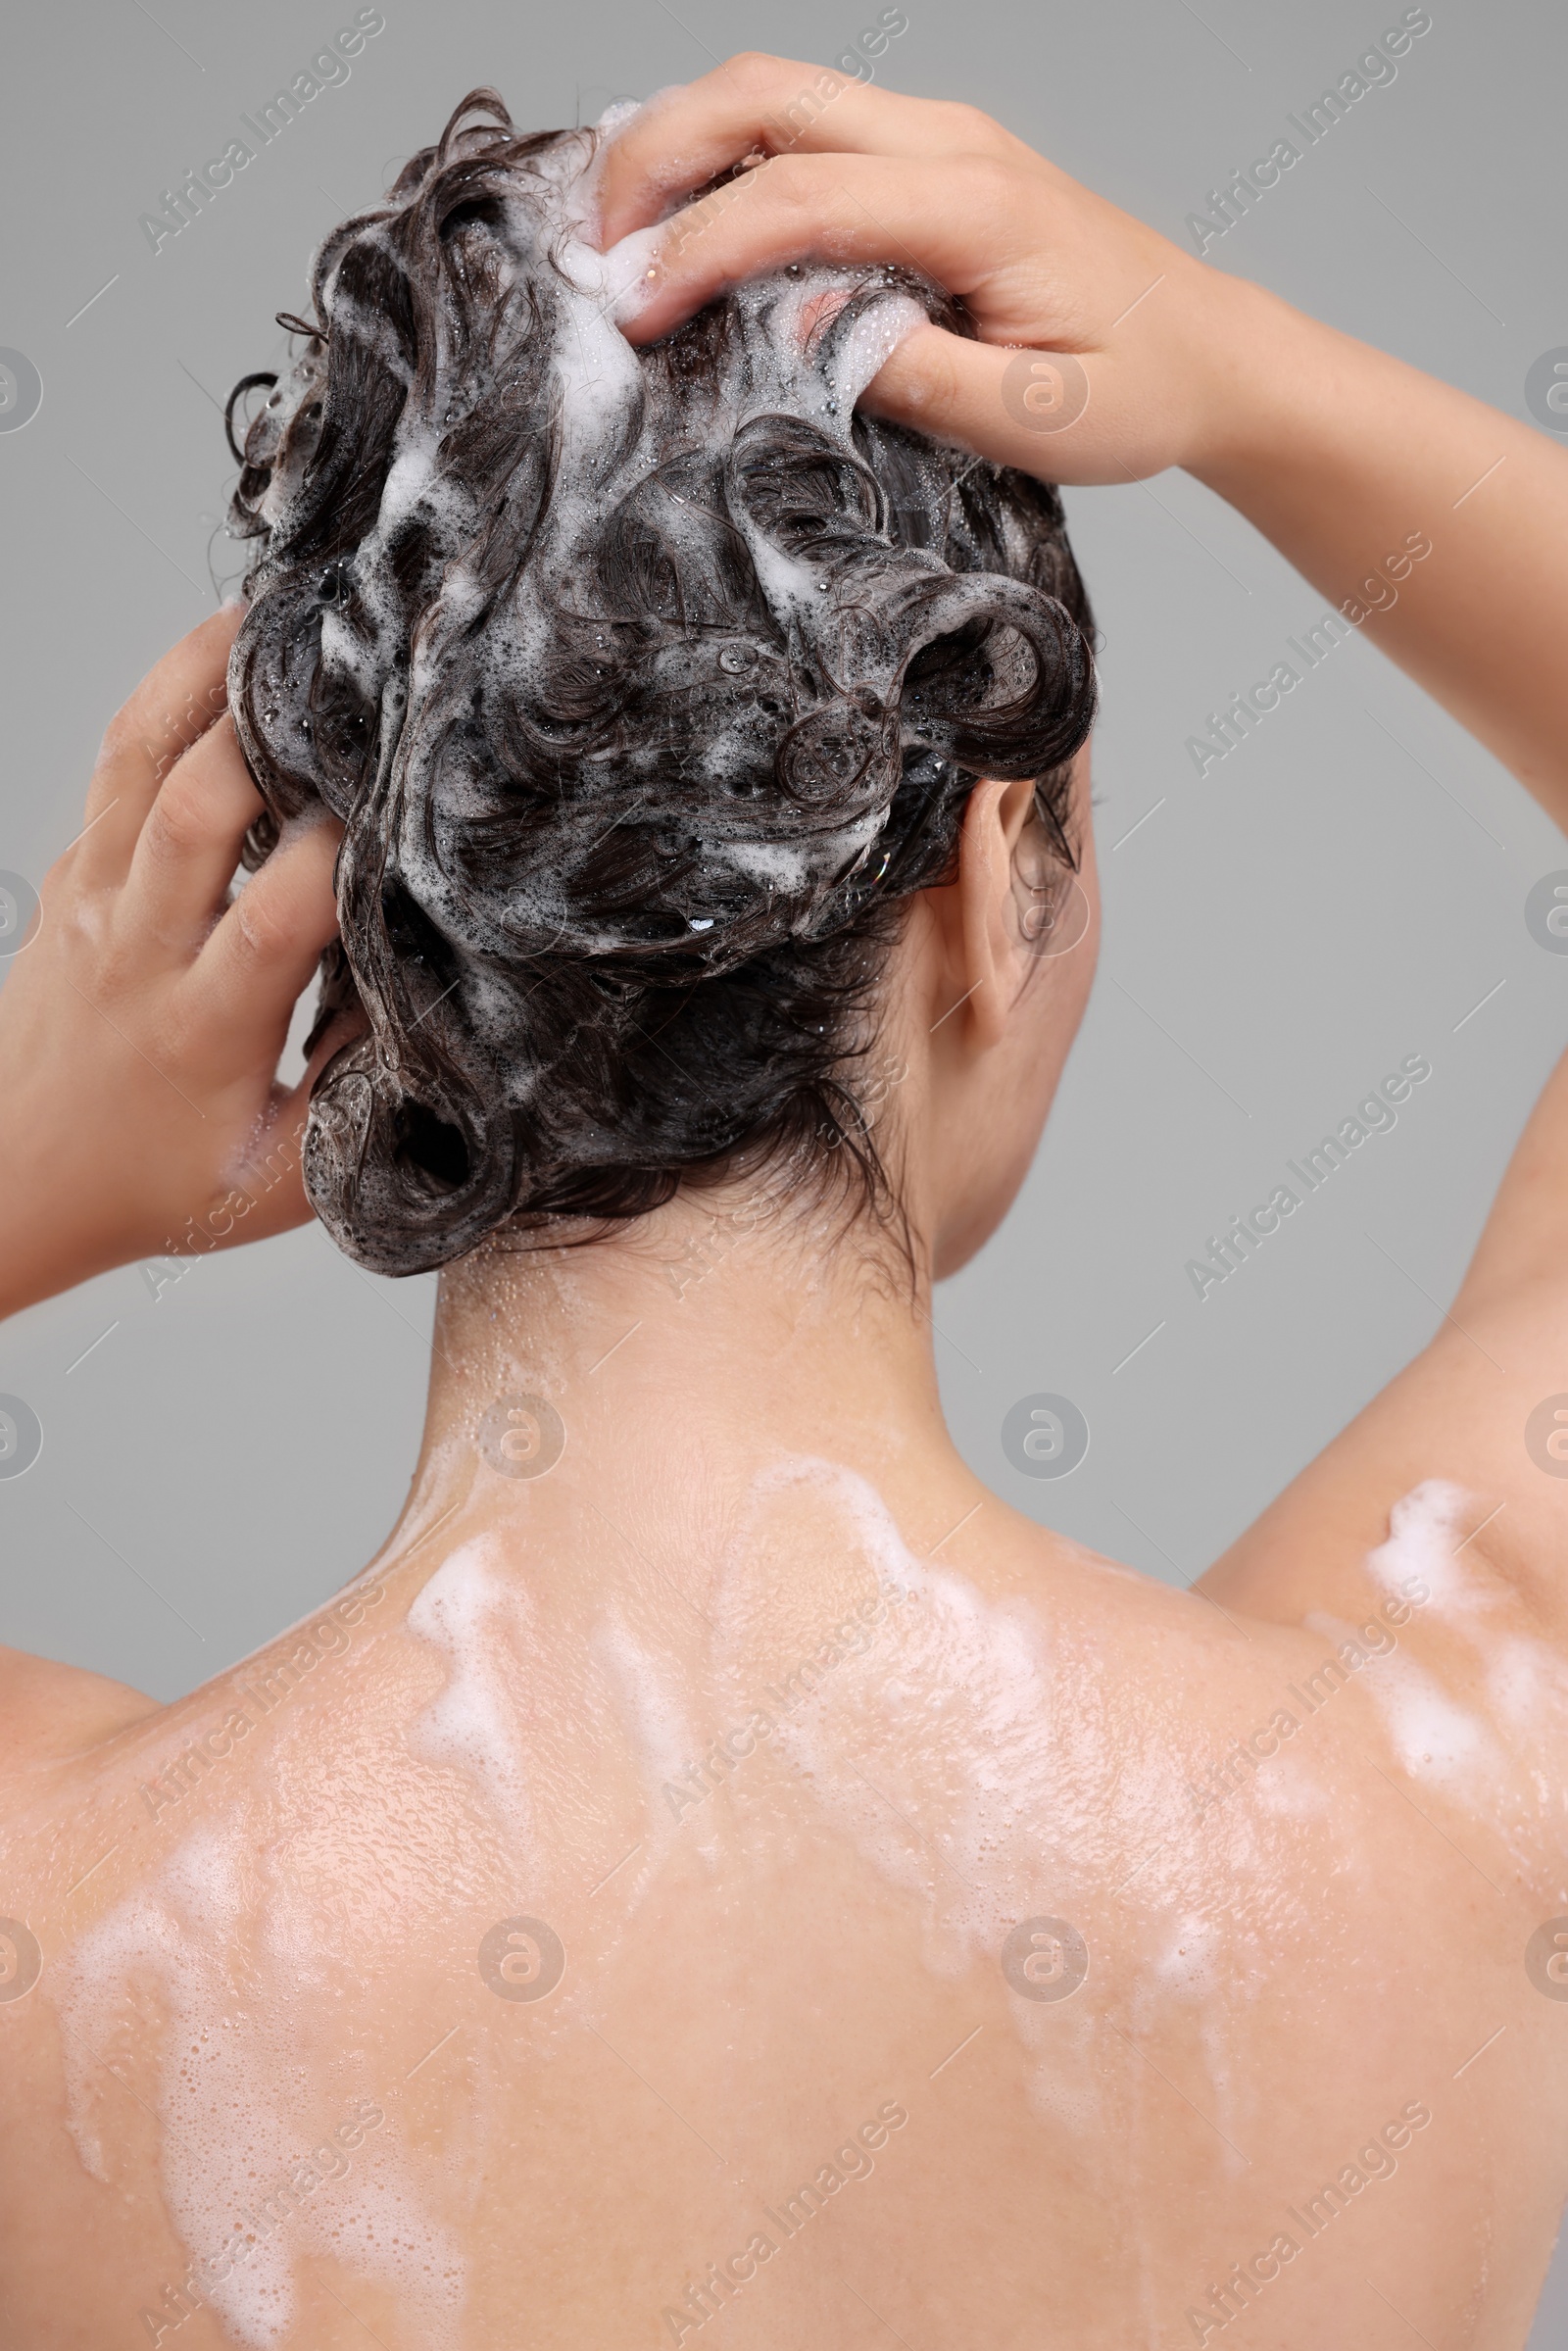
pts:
pixel 645 685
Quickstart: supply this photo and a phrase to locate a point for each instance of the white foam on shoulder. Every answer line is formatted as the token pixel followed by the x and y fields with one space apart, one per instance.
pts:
pixel 1020 1785
pixel 661 1725
pixel 242 2097
pixel 1526 1684
pixel 482 1621
pixel 1435 1739
pixel 1427 1528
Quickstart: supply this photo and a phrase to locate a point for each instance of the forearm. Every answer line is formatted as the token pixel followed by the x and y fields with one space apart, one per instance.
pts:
pixel 1340 455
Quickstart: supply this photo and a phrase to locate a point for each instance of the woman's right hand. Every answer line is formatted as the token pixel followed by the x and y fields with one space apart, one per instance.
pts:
pixel 141 1025
pixel 857 174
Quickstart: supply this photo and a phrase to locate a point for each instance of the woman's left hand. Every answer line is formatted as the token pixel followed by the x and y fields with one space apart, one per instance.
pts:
pixel 142 1023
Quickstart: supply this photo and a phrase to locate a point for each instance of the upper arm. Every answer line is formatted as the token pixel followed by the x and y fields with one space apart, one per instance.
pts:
pixel 1476 1409
pixel 1521 1260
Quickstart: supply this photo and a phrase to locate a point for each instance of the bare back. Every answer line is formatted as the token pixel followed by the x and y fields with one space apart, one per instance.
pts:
pixel 889 1934
pixel 746 1879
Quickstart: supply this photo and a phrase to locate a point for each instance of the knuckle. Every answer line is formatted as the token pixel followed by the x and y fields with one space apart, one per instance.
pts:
pixel 991 186
pixel 124 738
pixel 80 919
pixel 180 822
pixel 266 928
pixel 977 131
pixel 183 718
pixel 755 71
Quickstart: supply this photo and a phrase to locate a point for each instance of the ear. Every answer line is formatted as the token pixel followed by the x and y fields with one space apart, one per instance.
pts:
pixel 989 941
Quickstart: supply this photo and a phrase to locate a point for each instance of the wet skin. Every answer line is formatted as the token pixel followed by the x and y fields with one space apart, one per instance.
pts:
pixel 784 1736
pixel 823 1770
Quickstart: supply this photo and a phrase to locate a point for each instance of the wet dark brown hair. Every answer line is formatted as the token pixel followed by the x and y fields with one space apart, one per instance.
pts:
pixel 646 685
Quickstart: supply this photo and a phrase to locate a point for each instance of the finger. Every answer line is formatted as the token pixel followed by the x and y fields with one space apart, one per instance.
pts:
pixel 960 223
pixel 952 390
pixel 770 105
pixel 246 981
pixel 268 1192
pixel 177 701
pixel 1050 414
pixel 190 843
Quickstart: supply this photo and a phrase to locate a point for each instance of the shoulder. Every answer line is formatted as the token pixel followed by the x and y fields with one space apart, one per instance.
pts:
pixel 49 1711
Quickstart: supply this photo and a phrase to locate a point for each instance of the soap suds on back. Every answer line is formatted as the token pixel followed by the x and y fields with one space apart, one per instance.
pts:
pixel 481 1620
pixel 177 1980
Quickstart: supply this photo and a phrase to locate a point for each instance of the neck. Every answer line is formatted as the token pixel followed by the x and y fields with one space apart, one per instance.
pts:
pixel 643 1384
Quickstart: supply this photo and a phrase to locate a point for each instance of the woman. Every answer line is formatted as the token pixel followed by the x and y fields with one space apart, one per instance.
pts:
pixel 719 1866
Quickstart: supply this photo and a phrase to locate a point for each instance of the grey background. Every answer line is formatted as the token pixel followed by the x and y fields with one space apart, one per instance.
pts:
pixel 1338 893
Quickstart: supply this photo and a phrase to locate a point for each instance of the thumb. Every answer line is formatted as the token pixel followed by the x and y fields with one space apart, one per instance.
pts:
pixel 1047 412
